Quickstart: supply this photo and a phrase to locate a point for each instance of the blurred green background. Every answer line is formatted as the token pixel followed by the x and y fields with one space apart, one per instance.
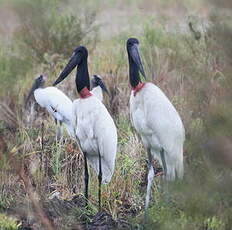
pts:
pixel 186 48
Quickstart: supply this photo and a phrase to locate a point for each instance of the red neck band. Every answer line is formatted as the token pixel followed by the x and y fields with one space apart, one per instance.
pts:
pixel 85 93
pixel 138 87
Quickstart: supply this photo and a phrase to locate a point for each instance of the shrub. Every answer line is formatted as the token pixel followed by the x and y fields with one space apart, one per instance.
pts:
pixel 12 67
pixel 48 27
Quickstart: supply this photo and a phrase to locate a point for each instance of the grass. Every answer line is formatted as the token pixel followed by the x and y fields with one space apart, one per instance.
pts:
pixel 194 74
pixel 7 223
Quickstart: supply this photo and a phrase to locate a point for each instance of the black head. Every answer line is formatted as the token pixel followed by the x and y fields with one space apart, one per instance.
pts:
pixel 131 41
pixel 97 81
pixel 79 55
pixel 133 54
pixel 38 83
pixel 80 51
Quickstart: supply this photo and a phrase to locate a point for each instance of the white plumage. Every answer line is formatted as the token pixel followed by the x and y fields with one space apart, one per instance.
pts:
pixel 97 133
pixel 54 101
pixel 160 127
pixel 156 121
pixel 97 92
pixel 94 128
pixel 57 104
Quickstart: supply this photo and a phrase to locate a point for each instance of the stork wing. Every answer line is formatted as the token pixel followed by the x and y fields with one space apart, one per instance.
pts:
pixel 97 134
pixel 55 101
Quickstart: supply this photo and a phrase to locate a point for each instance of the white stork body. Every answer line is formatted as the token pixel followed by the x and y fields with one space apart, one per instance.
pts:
pixel 160 127
pixel 97 92
pixel 57 104
pixel 97 134
pixel 155 120
pixel 94 128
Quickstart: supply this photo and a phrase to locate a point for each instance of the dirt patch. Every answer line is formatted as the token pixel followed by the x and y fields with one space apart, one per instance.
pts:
pixel 72 213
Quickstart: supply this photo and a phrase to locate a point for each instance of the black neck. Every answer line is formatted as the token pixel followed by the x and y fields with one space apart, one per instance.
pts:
pixel 133 73
pixel 82 76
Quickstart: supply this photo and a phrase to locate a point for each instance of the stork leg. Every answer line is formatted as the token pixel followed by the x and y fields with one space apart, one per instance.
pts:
pixel 58 130
pixel 163 162
pixel 86 178
pixel 61 131
pixel 100 182
pixel 167 196
pixel 150 177
pixel 56 122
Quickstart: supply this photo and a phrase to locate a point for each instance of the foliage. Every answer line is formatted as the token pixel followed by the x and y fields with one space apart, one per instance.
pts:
pixel 46 27
pixel 12 67
pixel 7 223
pixel 43 29
pixel 194 74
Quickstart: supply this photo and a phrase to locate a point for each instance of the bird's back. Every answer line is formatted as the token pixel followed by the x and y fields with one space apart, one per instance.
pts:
pixel 97 92
pixel 57 104
pixel 96 131
pixel 53 98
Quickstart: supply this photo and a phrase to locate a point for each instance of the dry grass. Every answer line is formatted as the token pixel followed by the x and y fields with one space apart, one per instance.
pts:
pixel 194 74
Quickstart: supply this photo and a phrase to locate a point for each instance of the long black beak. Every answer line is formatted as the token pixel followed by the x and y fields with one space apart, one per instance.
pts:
pixel 73 62
pixel 134 52
pixel 102 85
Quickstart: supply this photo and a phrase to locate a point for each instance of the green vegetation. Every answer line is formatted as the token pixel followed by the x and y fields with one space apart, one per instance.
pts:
pixel 194 73
pixel 47 28
pixel 7 223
